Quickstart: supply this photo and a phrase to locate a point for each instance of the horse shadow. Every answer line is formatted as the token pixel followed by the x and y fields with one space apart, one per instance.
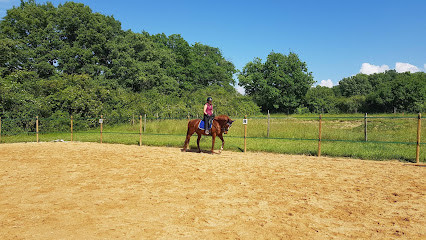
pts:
pixel 195 150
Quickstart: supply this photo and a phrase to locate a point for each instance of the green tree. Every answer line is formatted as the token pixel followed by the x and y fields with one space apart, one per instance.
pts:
pixel 208 67
pixel 404 92
pixel 68 60
pixel 355 85
pixel 280 84
pixel 321 100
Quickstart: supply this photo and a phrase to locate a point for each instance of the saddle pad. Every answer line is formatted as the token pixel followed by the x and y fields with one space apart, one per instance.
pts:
pixel 201 125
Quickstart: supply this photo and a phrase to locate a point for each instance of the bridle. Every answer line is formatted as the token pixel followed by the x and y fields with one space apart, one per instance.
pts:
pixel 225 128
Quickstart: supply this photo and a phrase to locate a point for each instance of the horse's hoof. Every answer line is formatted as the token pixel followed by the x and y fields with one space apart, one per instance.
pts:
pixel 183 150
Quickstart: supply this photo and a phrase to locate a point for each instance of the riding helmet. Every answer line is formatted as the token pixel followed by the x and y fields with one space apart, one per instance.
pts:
pixel 209 99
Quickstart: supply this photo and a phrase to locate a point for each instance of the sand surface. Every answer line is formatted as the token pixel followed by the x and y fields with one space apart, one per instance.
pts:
pixel 106 191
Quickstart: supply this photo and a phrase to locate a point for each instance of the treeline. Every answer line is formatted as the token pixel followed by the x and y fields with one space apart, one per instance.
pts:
pixel 67 60
pixel 388 92
pixel 283 84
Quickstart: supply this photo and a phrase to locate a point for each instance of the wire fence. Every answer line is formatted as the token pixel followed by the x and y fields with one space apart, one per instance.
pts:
pixel 336 130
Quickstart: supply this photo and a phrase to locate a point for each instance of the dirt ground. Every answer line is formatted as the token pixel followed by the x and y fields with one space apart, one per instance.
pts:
pixel 106 191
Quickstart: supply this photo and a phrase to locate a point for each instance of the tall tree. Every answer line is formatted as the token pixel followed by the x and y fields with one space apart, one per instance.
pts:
pixel 280 84
pixel 321 99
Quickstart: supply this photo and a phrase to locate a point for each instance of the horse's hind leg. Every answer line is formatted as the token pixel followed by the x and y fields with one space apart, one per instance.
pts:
pixel 198 142
pixel 185 145
pixel 188 137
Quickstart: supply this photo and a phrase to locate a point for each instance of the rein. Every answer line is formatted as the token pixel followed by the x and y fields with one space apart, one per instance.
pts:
pixel 222 128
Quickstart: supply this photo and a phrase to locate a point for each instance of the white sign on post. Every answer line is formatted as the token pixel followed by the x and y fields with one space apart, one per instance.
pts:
pixel 101 120
pixel 244 121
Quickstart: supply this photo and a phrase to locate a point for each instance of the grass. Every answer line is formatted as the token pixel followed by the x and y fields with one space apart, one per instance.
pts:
pixel 392 137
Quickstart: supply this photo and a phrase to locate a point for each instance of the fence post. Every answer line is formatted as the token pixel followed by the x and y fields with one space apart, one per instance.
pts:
pixel 365 127
pixel 269 120
pixel 419 125
pixel 37 127
pixel 71 128
pixel 133 119
pixel 140 130
pixel 319 136
pixel 101 122
pixel 0 129
pixel 144 124
pixel 245 133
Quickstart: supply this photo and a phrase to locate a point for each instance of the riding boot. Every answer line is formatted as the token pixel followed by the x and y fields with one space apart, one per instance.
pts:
pixel 209 122
pixel 206 124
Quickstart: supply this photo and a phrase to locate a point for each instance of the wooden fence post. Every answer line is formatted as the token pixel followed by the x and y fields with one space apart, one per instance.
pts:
pixel 101 121
pixel 245 133
pixel 319 136
pixel 37 127
pixel 140 130
pixel 71 128
pixel 419 125
pixel 365 127
pixel 133 119
pixel 144 124
pixel 269 122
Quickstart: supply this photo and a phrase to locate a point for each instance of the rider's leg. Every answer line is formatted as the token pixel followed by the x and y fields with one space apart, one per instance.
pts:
pixel 206 123
pixel 210 120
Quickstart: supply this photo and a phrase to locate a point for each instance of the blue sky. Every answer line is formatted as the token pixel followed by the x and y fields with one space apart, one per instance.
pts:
pixel 336 39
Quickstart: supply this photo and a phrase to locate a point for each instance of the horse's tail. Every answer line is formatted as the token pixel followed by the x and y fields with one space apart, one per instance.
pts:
pixel 189 125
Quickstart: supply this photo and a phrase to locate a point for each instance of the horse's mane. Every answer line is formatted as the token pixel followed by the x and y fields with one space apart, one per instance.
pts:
pixel 222 119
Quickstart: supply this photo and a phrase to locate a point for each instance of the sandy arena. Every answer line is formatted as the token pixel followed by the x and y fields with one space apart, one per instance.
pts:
pixel 105 191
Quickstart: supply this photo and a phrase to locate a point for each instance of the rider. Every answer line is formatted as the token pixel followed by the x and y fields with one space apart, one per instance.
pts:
pixel 208 114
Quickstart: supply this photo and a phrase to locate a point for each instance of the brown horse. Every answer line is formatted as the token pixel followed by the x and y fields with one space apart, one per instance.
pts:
pixel 220 126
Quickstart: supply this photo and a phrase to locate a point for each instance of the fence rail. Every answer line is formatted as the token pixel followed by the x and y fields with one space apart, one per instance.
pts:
pixel 35 124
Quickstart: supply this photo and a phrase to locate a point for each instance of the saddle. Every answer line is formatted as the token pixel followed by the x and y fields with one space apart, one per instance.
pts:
pixel 201 125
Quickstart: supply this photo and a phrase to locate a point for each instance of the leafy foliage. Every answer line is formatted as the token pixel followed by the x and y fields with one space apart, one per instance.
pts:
pixel 67 60
pixel 383 92
pixel 279 84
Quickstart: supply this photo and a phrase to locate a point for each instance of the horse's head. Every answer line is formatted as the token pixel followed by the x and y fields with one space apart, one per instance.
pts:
pixel 225 123
pixel 228 125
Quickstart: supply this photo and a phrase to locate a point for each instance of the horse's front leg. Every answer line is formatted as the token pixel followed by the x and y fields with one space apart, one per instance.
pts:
pixel 223 142
pixel 198 142
pixel 213 139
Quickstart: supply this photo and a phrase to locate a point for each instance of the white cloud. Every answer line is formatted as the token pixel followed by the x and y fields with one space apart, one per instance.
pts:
pixel 368 69
pixel 326 83
pixel 406 67
pixel 400 67
pixel 240 90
